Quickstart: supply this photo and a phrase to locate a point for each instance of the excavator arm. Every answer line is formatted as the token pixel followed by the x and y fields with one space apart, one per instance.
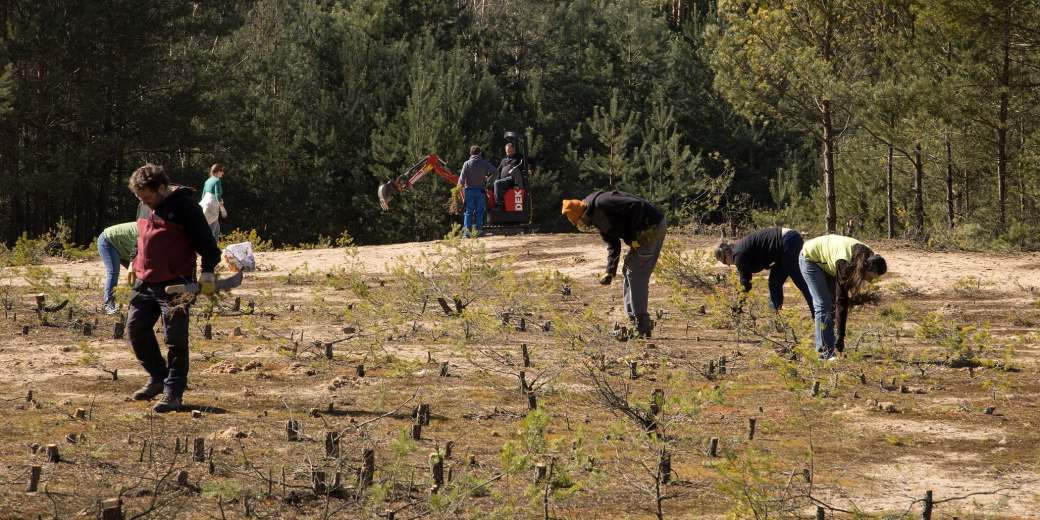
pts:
pixel 431 163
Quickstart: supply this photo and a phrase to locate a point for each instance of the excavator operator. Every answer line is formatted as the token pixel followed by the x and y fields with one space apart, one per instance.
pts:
pixel 510 175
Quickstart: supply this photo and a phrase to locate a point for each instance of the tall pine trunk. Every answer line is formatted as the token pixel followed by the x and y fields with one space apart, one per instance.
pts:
pixel 918 193
pixel 888 188
pixel 1002 124
pixel 828 166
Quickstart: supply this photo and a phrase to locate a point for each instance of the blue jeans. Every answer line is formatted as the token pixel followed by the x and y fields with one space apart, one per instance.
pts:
pixel 821 286
pixel 476 201
pixel 109 257
pixel 792 242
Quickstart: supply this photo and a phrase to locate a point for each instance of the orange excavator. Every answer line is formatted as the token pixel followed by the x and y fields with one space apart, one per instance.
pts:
pixel 515 210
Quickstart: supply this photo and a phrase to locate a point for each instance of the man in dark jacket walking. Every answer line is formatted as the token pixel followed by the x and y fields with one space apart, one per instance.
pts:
pixel 474 175
pixel 510 174
pixel 171 230
pixel 774 248
pixel 620 216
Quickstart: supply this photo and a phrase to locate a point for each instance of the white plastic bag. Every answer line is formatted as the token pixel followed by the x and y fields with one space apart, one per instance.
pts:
pixel 241 256
pixel 210 208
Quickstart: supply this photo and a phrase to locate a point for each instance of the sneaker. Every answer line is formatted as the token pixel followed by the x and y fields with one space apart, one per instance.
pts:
pixel 148 391
pixel 110 309
pixel 167 403
pixel 829 355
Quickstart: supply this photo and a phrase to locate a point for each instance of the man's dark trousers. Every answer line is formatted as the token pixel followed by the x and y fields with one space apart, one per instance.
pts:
pixel 148 303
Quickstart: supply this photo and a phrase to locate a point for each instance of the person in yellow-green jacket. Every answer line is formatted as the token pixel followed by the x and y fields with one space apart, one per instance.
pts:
pixel 835 267
pixel 116 245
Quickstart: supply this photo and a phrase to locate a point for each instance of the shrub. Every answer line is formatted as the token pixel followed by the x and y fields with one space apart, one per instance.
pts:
pixel 1022 237
pixel 237 235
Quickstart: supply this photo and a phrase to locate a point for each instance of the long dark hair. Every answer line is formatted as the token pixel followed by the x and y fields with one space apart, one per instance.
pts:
pixel 855 272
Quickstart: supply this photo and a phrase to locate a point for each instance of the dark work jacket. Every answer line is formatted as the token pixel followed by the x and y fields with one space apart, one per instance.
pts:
pixel 169 237
pixel 512 167
pixel 757 252
pixel 620 216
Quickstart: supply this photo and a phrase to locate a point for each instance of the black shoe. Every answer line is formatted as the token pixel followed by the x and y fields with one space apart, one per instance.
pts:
pixel 167 403
pixel 644 326
pixel 148 391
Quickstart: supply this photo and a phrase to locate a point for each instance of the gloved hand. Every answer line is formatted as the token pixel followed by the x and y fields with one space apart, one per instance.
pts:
pixel 635 244
pixel 606 279
pixel 131 277
pixel 207 283
pixel 223 212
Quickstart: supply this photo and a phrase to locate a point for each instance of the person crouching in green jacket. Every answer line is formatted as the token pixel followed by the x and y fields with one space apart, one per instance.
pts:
pixel 116 245
pixel 835 267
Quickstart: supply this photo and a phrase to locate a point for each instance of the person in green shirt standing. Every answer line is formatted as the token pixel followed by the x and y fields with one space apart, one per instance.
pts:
pixel 116 245
pixel 834 267
pixel 213 199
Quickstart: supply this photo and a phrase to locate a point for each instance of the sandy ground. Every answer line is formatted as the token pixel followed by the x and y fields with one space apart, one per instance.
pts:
pixel 970 284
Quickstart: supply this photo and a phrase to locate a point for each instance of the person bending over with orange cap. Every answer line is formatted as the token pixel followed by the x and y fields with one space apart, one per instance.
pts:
pixel 620 216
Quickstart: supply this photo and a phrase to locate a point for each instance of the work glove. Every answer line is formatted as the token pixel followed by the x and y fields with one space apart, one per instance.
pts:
pixel 131 277
pixel 647 236
pixel 606 279
pixel 223 212
pixel 207 283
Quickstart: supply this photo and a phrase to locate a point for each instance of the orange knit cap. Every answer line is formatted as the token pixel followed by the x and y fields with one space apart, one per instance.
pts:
pixel 573 209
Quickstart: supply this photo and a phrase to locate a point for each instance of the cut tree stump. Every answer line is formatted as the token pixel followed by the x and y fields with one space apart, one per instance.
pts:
pixel 360 371
pixel 112 509
pixel 540 472
pixel 751 422
pixel 437 472
pixel 199 454
pixel 81 413
pixel 332 444
pixel 633 369
pixel 815 389
pixel 25 330
pixel 328 350
pixel 713 447
pixel 532 400
pixel 34 479
pixel 417 431
pixel 88 329
pixel 926 510
pixel 444 369
pixel 525 355
pixel 368 467
pixel 292 430
pixel 665 467
pixel 52 453
pixel 207 331
pixel 422 414
pixel 820 515
pixel 722 365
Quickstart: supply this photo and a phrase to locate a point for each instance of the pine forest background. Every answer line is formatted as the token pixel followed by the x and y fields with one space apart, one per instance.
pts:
pixel 905 118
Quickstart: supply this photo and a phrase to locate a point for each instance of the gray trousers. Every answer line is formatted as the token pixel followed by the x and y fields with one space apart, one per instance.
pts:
pixel 638 265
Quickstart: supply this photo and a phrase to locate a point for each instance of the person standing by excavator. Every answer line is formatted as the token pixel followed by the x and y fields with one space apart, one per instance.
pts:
pixel 475 173
pixel 620 216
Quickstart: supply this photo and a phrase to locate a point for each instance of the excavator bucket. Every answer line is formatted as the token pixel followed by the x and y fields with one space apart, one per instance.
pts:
pixel 386 192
